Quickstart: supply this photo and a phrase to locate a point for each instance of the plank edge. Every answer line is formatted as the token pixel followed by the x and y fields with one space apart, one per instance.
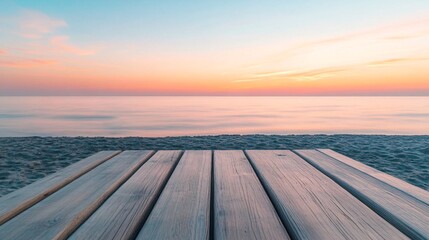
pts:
pixel 377 208
pixel 271 195
pixel 416 192
pixel 81 217
pixel 39 197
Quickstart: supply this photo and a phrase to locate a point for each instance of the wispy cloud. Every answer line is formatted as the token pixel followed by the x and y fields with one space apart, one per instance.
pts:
pixel 376 47
pixel 26 62
pixel 62 43
pixel 389 29
pixel 34 24
pixel 406 36
pixel 321 73
pixel 309 75
pixel 392 61
pixel 405 30
pixel 42 44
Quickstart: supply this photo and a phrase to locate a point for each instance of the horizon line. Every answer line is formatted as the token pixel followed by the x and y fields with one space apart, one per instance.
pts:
pixel 216 95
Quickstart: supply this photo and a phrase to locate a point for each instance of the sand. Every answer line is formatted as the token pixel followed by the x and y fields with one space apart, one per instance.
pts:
pixel 24 160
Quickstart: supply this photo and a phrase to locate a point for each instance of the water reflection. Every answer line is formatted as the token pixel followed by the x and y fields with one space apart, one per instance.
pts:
pixel 174 116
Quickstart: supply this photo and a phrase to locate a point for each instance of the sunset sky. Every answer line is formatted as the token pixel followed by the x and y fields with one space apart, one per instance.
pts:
pixel 312 47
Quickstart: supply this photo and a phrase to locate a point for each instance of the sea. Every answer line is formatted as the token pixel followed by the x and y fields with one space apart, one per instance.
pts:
pixel 160 116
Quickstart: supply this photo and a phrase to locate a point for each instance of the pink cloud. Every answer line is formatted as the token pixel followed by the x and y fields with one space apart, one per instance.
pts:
pixel 2 52
pixel 33 24
pixel 62 43
pixel 26 62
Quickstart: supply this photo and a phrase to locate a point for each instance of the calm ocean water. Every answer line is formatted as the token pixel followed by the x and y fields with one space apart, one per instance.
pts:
pixel 176 116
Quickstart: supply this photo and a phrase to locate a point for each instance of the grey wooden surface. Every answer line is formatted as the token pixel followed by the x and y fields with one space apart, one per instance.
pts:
pixel 406 213
pixel 183 209
pixel 242 209
pixel 70 205
pixel 14 203
pixel 123 214
pixel 268 194
pixel 313 206
pixel 410 189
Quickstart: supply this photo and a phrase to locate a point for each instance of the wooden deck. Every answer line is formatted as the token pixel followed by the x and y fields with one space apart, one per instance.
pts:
pixel 222 194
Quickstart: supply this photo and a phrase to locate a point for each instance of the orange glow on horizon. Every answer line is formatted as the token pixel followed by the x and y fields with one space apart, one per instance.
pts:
pixel 386 59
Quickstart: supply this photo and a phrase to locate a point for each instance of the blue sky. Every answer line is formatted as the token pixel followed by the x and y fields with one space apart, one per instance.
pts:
pixel 115 32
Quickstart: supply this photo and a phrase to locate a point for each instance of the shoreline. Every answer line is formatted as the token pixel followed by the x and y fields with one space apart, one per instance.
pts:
pixel 24 160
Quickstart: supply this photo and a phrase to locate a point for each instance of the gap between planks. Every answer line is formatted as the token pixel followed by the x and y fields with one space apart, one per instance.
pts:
pixel 312 205
pixel 80 219
pixel 66 211
pixel 115 219
pixel 399 184
pixel 16 202
pixel 405 212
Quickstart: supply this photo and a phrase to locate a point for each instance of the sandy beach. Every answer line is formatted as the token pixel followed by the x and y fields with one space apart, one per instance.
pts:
pixel 24 160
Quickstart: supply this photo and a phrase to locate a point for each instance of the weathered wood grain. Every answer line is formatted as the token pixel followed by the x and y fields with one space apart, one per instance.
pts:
pixel 242 209
pixel 19 200
pixel 72 204
pixel 410 189
pixel 122 215
pixel 183 208
pixel 311 205
pixel 406 213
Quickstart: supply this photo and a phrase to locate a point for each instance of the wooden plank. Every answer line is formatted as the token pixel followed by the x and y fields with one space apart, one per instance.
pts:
pixel 20 200
pixel 122 215
pixel 311 205
pixel 183 209
pixel 406 213
pixel 71 205
pixel 242 209
pixel 410 189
